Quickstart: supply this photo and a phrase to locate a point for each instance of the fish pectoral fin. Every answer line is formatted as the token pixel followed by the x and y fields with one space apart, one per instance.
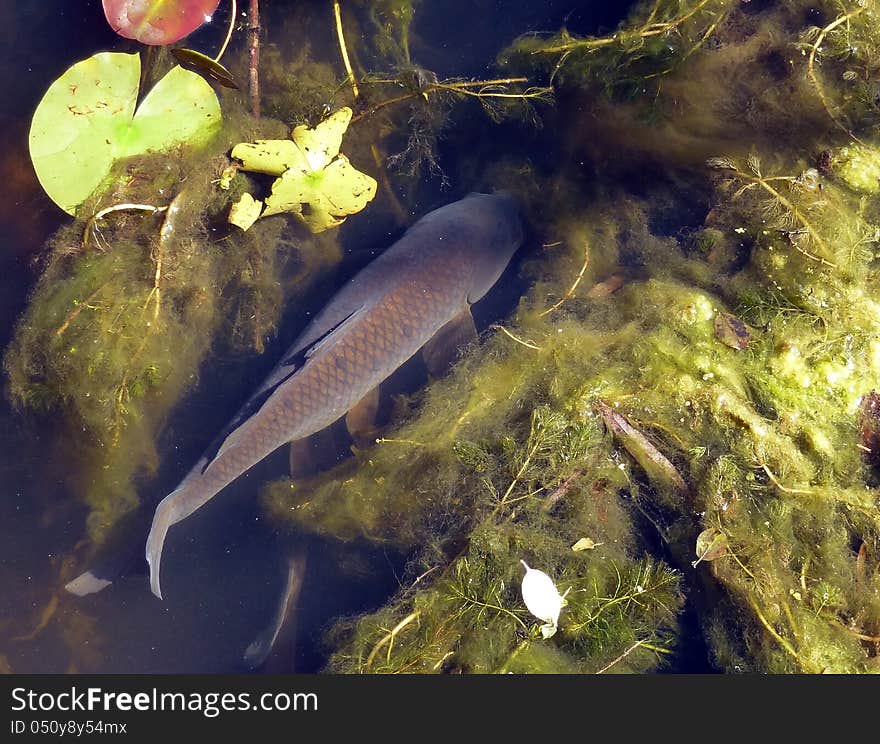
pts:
pixel 361 418
pixel 443 348
pixel 284 621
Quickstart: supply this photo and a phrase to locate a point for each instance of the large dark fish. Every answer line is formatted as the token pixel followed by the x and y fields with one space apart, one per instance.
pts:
pixel 417 292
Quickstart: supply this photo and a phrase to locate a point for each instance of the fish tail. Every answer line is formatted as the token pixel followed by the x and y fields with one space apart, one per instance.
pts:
pixel 167 514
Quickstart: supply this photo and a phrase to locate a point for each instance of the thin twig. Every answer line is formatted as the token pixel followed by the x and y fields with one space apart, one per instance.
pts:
pixel 780 486
pixel 78 308
pixel 574 286
pixel 383 440
pixel 621 657
pixel 337 12
pixel 254 66
pixel 529 344
pixel 229 31
pixel 561 491
pixel 461 87
pixel 95 218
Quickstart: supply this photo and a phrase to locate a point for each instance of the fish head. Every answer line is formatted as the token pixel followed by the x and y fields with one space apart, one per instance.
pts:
pixel 502 234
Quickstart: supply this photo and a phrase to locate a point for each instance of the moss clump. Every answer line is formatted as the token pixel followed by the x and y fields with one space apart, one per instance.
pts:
pixel 858 166
pixel 472 618
pixel 130 302
pixel 717 211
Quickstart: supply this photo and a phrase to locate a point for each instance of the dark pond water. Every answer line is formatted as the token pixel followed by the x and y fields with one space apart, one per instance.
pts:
pixel 227 582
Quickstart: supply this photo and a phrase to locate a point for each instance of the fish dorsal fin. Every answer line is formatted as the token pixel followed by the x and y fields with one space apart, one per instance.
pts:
pixel 285 369
pixel 338 330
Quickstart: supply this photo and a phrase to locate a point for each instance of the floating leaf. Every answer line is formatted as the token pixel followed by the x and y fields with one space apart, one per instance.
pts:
pixel 87 120
pixel 731 331
pixel 328 195
pixel 317 183
pixel 321 144
pixel 272 157
pixel 711 544
pixel 585 543
pixel 157 22
pixel 203 65
pixel 245 212
pixel 542 599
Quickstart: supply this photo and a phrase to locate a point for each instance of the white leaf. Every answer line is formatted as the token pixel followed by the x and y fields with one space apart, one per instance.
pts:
pixel 542 598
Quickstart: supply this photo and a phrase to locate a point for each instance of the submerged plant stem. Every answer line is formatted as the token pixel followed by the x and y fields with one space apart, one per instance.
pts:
pixel 795 212
pixel 461 87
pixel 621 657
pixel 573 287
pixel 789 649
pixel 337 12
pixel 78 308
pixel 811 68
pixel 647 30
pixel 782 488
pixel 254 66
pixel 95 218
pixel 232 15
pixel 528 344
pixel 389 639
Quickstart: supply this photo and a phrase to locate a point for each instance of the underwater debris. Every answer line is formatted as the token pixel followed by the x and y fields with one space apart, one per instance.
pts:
pixel 585 543
pixel 662 472
pixel 731 331
pixel 711 544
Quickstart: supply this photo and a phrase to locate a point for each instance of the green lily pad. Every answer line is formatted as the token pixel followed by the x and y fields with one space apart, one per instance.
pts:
pixel 317 183
pixel 87 120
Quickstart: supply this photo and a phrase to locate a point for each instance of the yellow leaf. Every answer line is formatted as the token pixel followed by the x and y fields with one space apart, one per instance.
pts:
pixel 245 211
pixel 585 543
pixel 269 156
pixel 320 145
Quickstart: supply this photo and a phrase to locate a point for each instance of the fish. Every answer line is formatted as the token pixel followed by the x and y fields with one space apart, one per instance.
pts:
pixel 415 296
pixel 276 641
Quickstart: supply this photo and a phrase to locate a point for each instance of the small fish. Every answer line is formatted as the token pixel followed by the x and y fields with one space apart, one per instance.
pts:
pixel 417 294
pixel 203 65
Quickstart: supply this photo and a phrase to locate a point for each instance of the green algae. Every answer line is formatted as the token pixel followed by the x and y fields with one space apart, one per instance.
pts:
pixel 130 303
pixel 514 455
pixel 704 312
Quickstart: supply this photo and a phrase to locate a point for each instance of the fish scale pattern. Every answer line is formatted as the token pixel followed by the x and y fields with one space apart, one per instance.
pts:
pixel 380 339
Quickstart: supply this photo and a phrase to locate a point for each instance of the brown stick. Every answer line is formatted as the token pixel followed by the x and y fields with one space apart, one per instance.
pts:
pixel 254 30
